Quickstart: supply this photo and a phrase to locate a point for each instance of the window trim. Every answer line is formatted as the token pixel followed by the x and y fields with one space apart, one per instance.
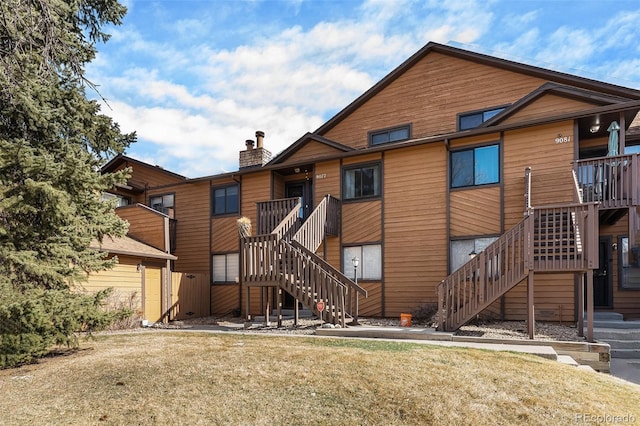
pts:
pixel 460 115
pixel 173 207
pixel 349 273
pixel 227 280
pixel 389 130
pixel 213 200
pixel 349 167
pixel 473 148
pixel 621 268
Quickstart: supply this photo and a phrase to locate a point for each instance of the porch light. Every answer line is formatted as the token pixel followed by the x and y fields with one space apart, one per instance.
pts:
pixel 472 254
pixel 594 128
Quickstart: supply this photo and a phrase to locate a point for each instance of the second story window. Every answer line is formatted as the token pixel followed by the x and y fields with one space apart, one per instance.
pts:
pixel 395 134
pixel 472 120
pixel 161 203
pixel 475 166
pixel 362 182
pixel 225 200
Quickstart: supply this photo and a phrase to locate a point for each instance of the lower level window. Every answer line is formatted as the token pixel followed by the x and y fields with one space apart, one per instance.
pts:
pixel 226 268
pixel 629 265
pixel 463 250
pixel 369 261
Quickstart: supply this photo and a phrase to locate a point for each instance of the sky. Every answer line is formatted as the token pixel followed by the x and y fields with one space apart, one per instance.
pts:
pixel 195 79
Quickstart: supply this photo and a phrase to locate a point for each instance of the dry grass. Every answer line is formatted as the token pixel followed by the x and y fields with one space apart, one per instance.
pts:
pixel 198 378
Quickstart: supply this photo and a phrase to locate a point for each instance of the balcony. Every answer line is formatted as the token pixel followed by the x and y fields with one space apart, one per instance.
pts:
pixel 611 181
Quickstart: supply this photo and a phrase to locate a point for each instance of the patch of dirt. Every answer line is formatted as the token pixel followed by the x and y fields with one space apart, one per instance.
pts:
pixel 489 328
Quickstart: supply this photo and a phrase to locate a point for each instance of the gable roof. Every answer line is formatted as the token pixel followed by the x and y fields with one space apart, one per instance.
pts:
pixel 584 95
pixel 556 76
pixel 120 159
pixel 128 246
pixel 304 140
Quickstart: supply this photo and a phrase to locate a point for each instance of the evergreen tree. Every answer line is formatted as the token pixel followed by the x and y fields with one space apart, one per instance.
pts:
pixel 53 141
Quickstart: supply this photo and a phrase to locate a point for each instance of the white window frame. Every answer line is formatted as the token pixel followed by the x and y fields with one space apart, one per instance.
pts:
pixel 370 261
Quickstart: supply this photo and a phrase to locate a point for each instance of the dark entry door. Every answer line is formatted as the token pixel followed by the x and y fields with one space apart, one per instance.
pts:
pixel 602 290
pixel 301 189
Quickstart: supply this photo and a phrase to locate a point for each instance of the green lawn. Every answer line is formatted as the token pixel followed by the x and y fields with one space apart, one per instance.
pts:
pixel 198 378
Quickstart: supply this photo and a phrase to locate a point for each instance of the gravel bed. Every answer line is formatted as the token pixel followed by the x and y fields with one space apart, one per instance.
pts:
pixel 489 329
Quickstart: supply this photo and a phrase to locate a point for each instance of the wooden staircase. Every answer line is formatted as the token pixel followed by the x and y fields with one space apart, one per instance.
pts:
pixel 558 238
pixel 285 258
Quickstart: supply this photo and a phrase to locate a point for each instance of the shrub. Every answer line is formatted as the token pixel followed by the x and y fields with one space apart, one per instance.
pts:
pixel 32 322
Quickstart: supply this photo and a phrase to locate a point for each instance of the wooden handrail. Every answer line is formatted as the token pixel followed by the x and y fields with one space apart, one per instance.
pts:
pixel 271 213
pixel 312 232
pixel 290 222
pixel 482 280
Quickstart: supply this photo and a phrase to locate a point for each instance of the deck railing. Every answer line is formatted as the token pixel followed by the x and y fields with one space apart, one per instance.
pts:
pixel 313 231
pixel 563 237
pixel 611 181
pixel 271 213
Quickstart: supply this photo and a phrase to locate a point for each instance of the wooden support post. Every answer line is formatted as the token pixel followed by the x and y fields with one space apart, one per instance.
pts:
pixel 530 307
pixel 279 305
pixel 355 316
pixel 590 305
pixel 267 307
pixel 247 304
pixel 580 278
pixel 296 312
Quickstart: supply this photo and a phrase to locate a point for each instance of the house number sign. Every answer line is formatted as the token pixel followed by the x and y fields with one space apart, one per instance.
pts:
pixel 321 175
pixel 562 139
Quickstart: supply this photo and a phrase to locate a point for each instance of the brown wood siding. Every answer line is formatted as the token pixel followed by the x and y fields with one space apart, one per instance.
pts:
pixel 255 187
pixel 626 302
pixel 149 176
pixel 455 85
pixel 371 306
pixel 474 140
pixel 278 186
pixel 311 151
pixel 145 225
pixel 552 182
pixel 362 159
pixel 361 222
pixel 475 212
pixel 225 299
pixel 124 278
pixel 327 180
pixel 415 236
pixel 545 106
pixel 224 234
pixel 554 296
pixel 192 211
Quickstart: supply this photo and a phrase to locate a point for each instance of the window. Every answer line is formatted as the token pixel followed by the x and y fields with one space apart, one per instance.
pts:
pixel 396 134
pixel 463 250
pixel 225 200
pixel 226 268
pixel 161 203
pixel 477 166
pixel 361 182
pixel 629 265
pixel 121 201
pixel 370 267
pixel 475 119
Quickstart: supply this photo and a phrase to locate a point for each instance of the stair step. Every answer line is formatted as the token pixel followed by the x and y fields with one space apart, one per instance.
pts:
pixel 623 344
pixel 616 334
pixel 625 353
pixel 616 324
pixel 566 359
pixel 606 316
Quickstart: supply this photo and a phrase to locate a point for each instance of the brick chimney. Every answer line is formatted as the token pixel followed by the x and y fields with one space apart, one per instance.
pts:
pixel 255 157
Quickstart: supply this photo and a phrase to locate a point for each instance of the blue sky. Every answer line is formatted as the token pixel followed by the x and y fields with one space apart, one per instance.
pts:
pixel 196 79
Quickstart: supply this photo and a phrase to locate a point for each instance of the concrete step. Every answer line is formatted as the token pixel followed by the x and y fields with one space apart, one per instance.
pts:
pixel 616 324
pixel 624 344
pixel 606 316
pixel 566 359
pixel 625 353
pixel 616 334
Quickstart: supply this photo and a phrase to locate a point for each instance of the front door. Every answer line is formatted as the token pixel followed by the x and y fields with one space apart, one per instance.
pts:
pixel 602 289
pixel 301 189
